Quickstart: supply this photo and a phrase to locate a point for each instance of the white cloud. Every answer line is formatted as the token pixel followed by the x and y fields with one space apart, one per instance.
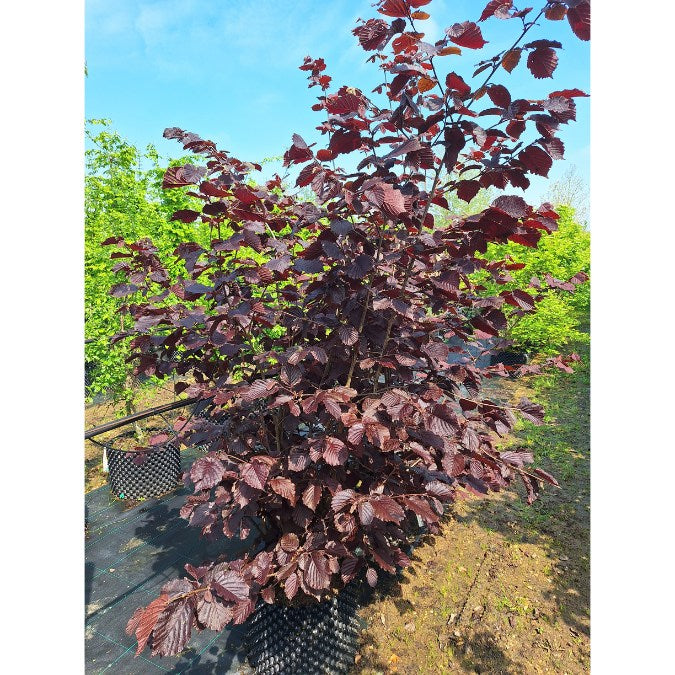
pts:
pixel 208 37
pixel 107 20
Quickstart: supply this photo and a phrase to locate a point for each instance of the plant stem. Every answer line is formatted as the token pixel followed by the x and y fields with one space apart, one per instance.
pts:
pixel 366 305
pixel 408 270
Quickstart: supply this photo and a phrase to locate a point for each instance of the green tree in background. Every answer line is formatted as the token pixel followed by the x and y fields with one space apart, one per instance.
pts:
pixel 571 190
pixel 560 314
pixel 562 254
pixel 123 197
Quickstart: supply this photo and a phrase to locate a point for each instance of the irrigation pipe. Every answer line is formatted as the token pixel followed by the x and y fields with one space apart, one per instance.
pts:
pixel 130 419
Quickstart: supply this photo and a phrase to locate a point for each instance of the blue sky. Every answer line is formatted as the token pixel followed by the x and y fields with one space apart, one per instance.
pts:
pixel 228 69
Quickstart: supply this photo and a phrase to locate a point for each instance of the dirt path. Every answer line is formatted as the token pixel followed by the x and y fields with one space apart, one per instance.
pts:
pixel 505 588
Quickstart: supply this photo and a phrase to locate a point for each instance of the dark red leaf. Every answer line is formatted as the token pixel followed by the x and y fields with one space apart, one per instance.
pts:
pixel 515 206
pixel 554 147
pixel 387 509
pixel 348 569
pixel 396 8
pixel 259 389
pixel 325 155
pixel 230 585
pixel 498 8
pixel 335 452
pixel 348 334
pixel 355 433
pixel 499 95
pixel 298 153
pixel 341 227
pixel 410 145
pixel 536 160
pixel 343 104
pixel 567 93
pixel 255 474
pixel 267 594
pixel 556 12
pixel 372 33
pixel 285 488
pixel 173 627
pixel 185 215
pixel 523 299
pixel 291 586
pixel 317 574
pixel 439 489
pixel 532 412
pixel 468 189
pixel 298 461
pixel 542 62
pixel 511 59
pixel 546 476
pixel 344 141
pixel 311 496
pixel 313 266
pixel 476 468
pixel 360 267
pixel 457 83
pixel 206 472
pixel 289 542
pixel 290 375
pixel 557 283
pixel 242 610
pixel 214 615
pixel 517 458
pixel 579 18
pixel 143 624
pixel 366 512
pixel 466 34
pixel 454 144
pixel 341 499
pixel 180 176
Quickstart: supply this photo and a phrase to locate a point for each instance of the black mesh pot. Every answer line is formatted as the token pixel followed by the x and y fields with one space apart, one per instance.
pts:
pixel 509 358
pixel 89 373
pixel 158 474
pixel 315 639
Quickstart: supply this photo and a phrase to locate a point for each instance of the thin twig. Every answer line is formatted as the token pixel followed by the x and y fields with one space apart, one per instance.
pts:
pixel 473 583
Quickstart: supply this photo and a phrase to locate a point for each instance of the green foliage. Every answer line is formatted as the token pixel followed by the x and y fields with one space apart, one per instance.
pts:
pixel 548 330
pixel 123 197
pixel 559 315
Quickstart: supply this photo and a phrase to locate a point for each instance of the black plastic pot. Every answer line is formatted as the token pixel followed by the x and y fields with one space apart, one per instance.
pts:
pixel 89 373
pixel 314 639
pixel 510 357
pixel 159 472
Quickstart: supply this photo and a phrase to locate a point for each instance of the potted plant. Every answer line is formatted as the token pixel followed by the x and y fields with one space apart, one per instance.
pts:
pixel 334 436
pixel 123 197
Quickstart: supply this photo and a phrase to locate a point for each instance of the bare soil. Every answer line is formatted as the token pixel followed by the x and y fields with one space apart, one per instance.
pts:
pixel 505 587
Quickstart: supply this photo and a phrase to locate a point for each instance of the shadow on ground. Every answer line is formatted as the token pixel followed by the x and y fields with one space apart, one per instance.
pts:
pixel 505 587
pixel 131 551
